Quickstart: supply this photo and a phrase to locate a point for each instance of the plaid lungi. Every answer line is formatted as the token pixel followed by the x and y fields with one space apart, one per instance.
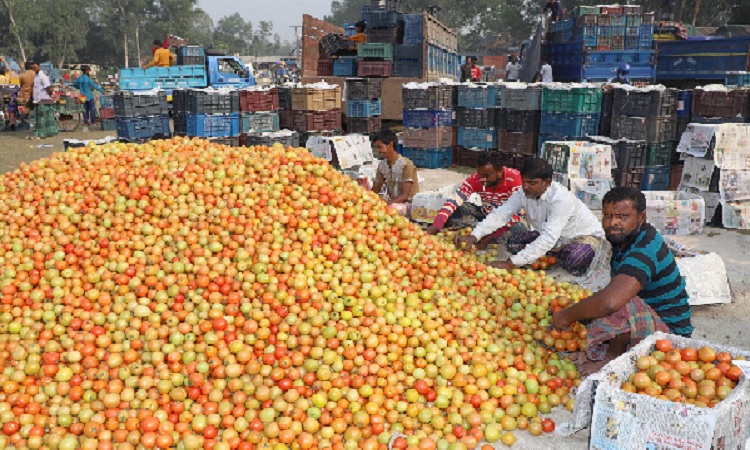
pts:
pixel 45 124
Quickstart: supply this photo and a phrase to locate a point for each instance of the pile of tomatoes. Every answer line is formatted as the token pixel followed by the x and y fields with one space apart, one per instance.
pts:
pixel 185 294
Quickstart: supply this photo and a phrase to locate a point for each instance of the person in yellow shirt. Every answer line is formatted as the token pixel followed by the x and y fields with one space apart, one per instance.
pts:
pixel 162 56
pixel 360 37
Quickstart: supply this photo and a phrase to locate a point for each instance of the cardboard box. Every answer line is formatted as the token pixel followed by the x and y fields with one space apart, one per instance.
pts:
pixel 625 421
pixel 675 213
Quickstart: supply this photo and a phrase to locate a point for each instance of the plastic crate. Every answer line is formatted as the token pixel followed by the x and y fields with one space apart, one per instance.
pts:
pixel 213 125
pixel 557 154
pixel 387 5
pixel 477 96
pixel 738 79
pixel 258 100
pixel 286 119
pixel 729 104
pixel 527 99
pixel 108 124
pixel 575 100
pixel 631 154
pixel 518 143
pixel 285 97
pixel 717 120
pixel 656 178
pixel 476 118
pixel 408 51
pixel 467 157
pixel 408 67
pixel 128 104
pixel 645 103
pixel 633 20
pixel 434 97
pixel 107 101
pixel 286 138
pixel 382 69
pixel 309 99
pixel 375 51
pixel 684 104
pixel 190 50
pixel 413 29
pixel 191 60
pixel 385 35
pixel 364 88
pixel 660 153
pixel 363 125
pixel 316 120
pixel 143 127
pixel 345 66
pixel 605 125
pixel 438 137
pixel 429 158
pixel 179 123
pixel 582 10
pixel 212 102
pixel 325 68
pixel 428 118
pixel 228 141
pixel 337 44
pixel 363 108
pixel 632 177
pixel 652 129
pixel 107 113
pixel 515 160
pixel 569 124
pixel 477 137
pixel 259 121
pixel 350 29
pixel 383 19
pixel 519 121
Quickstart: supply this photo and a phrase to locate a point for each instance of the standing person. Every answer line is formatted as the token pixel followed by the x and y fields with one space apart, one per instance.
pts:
pixel 646 293
pixel 360 37
pixel 466 70
pixel 513 69
pixel 545 72
pixel 555 7
pixel 476 71
pixel 23 96
pixel 162 56
pixel 45 124
pixel 560 223
pixel 397 173
pixel 494 183
pixel 86 85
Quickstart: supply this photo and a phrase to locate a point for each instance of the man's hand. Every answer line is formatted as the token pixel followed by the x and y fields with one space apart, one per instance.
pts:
pixel 464 242
pixel 507 264
pixel 432 230
pixel 560 319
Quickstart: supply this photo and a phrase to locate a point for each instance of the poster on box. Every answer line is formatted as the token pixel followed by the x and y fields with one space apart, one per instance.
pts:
pixel 591 162
pixel 590 192
pixel 734 185
pixel 352 150
pixel 696 173
pixel 675 213
pixel 731 149
pixel 711 199
pixel 426 205
pixel 697 139
pixel 736 215
pixel 319 147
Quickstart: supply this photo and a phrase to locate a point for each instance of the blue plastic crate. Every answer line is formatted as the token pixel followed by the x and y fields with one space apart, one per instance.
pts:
pixel 345 66
pixel 107 101
pixel 429 158
pixel 428 118
pixel 569 124
pixel 413 29
pixel 589 40
pixel 646 30
pixel 383 19
pixel 477 137
pixel 477 97
pixel 738 79
pixel 190 50
pixel 259 122
pixel 363 108
pixel 684 103
pixel 142 127
pixel 408 67
pixel 655 178
pixel 108 124
pixel 350 29
pixel 213 125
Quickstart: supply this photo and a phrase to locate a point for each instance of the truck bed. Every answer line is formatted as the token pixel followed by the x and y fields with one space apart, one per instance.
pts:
pixel 708 60
pixel 163 77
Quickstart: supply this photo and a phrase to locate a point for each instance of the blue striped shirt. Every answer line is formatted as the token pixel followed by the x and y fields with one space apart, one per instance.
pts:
pixel 649 260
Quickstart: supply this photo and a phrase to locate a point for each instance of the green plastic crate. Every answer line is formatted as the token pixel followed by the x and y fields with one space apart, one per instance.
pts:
pixel 660 153
pixel 584 10
pixel 379 51
pixel 577 100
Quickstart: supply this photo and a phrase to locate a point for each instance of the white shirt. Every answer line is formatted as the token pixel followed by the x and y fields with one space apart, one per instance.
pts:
pixel 557 215
pixel 546 72
pixel 41 83
pixel 512 70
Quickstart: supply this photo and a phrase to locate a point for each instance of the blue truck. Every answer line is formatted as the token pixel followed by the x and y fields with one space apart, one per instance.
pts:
pixel 194 69
pixel 691 62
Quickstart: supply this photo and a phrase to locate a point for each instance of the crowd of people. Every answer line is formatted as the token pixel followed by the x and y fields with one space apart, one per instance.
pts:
pixel 536 216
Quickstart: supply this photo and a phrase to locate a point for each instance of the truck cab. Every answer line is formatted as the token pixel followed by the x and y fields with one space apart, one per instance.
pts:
pixel 228 71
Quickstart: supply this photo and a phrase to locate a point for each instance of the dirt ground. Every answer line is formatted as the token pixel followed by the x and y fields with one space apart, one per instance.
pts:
pixel 725 324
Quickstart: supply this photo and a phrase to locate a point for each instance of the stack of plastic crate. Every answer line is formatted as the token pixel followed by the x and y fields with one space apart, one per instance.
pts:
pixel 107 112
pixel 140 116
pixel 363 105
pixel 428 124
pixel 569 112
pixel 518 106
pixel 315 108
pixel 647 115
pixel 260 111
pixel 208 113
pixel 476 120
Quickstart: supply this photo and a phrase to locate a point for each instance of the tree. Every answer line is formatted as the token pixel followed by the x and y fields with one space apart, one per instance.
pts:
pixel 346 11
pixel 233 33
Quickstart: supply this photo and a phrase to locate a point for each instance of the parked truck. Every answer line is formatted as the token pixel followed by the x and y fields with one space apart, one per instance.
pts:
pixel 194 69
pixel 691 62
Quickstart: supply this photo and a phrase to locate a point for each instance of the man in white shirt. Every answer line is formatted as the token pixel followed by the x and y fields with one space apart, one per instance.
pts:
pixel 546 72
pixel 559 223
pixel 45 124
pixel 513 69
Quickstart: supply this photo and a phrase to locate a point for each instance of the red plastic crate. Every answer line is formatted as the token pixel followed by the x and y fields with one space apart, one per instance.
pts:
pixel 611 9
pixel 317 120
pixel 375 69
pixel 260 100
pixel 106 113
pixel 286 119
pixel 325 68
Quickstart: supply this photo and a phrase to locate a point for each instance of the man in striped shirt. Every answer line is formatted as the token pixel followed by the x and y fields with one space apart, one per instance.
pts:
pixel 494 183
pixel 646 293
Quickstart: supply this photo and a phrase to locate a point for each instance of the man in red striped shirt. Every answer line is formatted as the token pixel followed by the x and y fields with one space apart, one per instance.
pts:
pixel 494 183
